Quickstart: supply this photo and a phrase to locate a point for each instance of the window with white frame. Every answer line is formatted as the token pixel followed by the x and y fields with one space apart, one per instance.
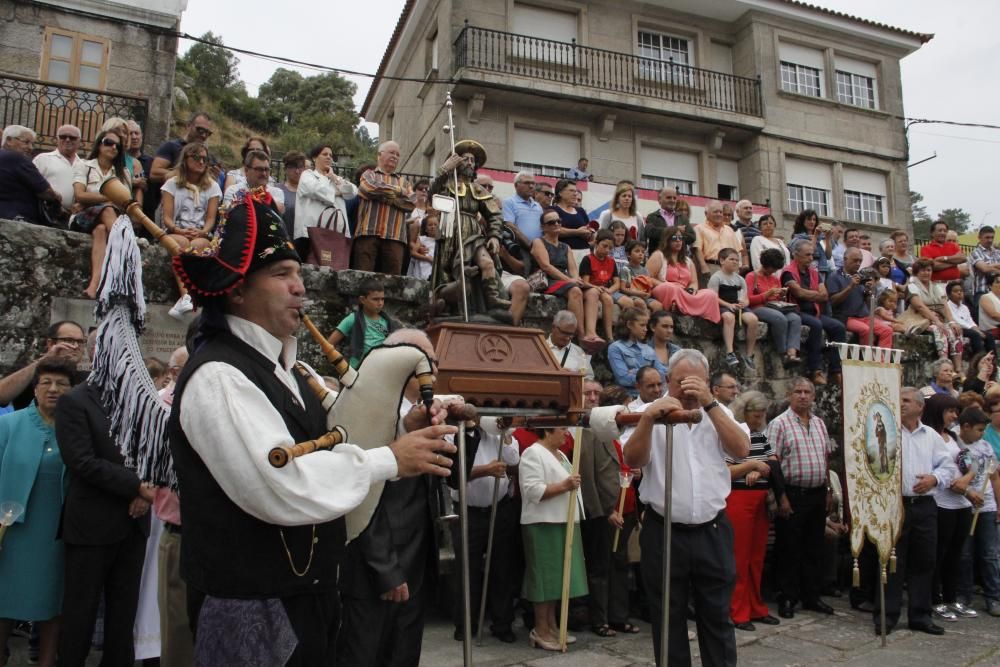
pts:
pixel 545 153
pixel 661 167
pixel 664 57
pixel 864 195
pixel 856 82
pixel 801 70
pixel 809 185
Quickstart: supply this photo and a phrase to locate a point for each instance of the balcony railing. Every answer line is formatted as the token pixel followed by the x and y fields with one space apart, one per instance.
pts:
pixel 45 106
pixel 568 62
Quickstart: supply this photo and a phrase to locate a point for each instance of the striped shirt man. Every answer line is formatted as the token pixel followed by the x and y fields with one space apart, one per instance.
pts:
pixel 802 448
pixel 384 206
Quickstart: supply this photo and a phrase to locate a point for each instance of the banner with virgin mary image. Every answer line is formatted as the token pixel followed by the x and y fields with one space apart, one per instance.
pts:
pixel 872 443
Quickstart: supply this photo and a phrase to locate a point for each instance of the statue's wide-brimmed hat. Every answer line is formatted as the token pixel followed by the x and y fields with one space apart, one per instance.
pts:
pixel 469 146
pixel 250 236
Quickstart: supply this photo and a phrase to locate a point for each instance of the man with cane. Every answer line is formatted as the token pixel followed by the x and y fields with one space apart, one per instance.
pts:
pixel 702 568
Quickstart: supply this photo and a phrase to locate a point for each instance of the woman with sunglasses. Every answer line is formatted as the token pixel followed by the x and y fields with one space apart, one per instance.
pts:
pixel 555 259
pixel 106 160
pixel 189 204
pixel 675 281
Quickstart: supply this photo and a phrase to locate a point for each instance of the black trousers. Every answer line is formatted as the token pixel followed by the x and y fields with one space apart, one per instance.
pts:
pixel 504 580
pixel 702 570
pixel 618 580
pixel 915 554
pixel 114 570
pixel 378 633
pixel 314 618
pixel 953 530
pixel 596 535
pixel 979 341
pixel 798 546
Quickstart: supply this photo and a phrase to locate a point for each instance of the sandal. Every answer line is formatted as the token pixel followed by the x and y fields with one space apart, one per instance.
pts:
pixel 627 628
pixel 603 630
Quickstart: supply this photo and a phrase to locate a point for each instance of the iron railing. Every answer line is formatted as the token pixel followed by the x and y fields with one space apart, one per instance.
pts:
pixel 45 106
pixel 568 62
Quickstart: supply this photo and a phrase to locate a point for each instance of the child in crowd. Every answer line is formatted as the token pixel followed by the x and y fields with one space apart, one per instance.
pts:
pixel 888 302
pixel 599 270
pixel 422 246
pixel 636 269
pixel 619 252
pixel 367 326
pixel 734 305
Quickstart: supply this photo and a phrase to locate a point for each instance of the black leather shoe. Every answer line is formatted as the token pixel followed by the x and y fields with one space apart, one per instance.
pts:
pixel 818 605
pixel 766 620
pixel 786 609
pixel 506 635
pixel 928 627
pixel 748 626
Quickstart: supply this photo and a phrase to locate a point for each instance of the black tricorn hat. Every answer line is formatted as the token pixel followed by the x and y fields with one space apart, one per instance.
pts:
pixel 251 235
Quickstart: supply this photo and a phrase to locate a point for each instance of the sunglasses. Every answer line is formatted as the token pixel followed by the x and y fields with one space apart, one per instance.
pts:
pixel 204 131
pixel 545 193
pixel 198 158
pixel 111 143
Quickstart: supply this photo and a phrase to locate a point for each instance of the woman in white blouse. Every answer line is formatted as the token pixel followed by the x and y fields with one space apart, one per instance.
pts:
pixel 545 479
pixel 319 189
pixel 766 240
pixel 189 205
pixel 623 208
pixel 106 160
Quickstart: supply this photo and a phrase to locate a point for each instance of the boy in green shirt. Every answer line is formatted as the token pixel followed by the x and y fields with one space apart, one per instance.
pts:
pixel 366 327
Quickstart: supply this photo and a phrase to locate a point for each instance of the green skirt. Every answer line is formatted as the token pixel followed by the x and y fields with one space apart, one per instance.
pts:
pixel 544 544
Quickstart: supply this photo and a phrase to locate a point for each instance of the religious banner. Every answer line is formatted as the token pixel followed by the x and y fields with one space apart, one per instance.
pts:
pixel 872 444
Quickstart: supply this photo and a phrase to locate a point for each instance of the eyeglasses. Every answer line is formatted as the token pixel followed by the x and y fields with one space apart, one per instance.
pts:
pixel 198 158
pixel 545 193
pixel 204 131
pixel 69 340
pixel 68 137
pixel 423 189
pixel 488 186
pixel 110 143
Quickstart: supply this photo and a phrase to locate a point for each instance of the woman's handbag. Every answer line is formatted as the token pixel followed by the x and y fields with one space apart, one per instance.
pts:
pixel 782 306
pixel 538 281
pixel 329 246
pixel 914 322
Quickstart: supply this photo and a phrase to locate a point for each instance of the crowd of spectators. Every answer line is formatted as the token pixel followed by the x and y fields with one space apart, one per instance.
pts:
pixel 624 278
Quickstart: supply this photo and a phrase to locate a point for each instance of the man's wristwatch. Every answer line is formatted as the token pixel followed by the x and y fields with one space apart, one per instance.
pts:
pixel 713 404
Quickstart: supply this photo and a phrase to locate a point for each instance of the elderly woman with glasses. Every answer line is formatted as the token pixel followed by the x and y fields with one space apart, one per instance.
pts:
pixel 752 478
pixel 106 160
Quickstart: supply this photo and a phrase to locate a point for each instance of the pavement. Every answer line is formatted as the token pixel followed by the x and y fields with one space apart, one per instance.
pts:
pixel 810 639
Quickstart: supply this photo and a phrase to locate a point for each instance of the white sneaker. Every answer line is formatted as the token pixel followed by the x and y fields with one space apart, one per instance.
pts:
pixel 182 307
pixel 963 610
pixel 944 612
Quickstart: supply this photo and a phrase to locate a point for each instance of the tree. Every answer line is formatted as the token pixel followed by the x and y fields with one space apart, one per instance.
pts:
pixel 957 219
pixel 921 221
pixel 213 67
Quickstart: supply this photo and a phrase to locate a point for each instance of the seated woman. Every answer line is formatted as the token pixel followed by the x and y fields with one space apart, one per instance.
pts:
pixel 675 281
pixel 766 240
pixel 239 176
pixel 623 209
pixel 189 205
pixel 544 479
pixel 31 472
pixel 661 334
pixel 106 160
pixel 630 352
pixel 928 301
pixel 764 285
pixel 553 257
pixel 942 380
pixel 576 231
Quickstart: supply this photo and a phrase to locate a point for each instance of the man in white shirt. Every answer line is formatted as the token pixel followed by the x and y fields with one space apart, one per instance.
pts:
pixel 258 170
pixel 57 165
pixel 926 467
pixel 239 396
pixel 703 565
pixel 567 353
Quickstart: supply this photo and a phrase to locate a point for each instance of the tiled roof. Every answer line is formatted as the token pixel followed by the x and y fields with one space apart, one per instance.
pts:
pixel 924 37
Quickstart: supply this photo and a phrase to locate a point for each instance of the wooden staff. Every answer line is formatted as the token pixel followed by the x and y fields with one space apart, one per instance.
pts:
pixel 622 419
pixel 568 550
pixel 982 491
pixel 625 479
pixel 489 548
pixel 279 456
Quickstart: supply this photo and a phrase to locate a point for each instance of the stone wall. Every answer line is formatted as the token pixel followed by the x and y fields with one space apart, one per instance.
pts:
pixel 42 272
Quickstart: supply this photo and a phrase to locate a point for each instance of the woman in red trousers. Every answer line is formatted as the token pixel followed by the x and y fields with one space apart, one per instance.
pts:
pixel 746 508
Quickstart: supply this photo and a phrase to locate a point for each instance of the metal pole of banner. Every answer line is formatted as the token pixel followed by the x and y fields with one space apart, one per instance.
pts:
pixel 871 323
pixel 464 530
pixel 668 474
pixel 881 598
pixel 489 549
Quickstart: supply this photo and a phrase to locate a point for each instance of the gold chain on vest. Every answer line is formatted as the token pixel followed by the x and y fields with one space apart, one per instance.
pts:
pixel 291 563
